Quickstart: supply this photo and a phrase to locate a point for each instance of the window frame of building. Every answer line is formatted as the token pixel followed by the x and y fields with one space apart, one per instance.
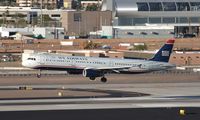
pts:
pixel 167 6
pixel 194 19
pixel 143 6
pixel 151 19
pixel 180 6
pixel 154 7
pixel 168 20
pixel 183 19
pixel 126 21
pixel 195 6
pixel 77 17
pixel 140 21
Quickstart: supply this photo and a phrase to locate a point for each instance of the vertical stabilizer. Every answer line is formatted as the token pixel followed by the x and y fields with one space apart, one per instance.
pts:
pixel 164 53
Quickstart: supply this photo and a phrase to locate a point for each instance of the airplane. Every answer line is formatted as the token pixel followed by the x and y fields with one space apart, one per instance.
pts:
pixel 94 67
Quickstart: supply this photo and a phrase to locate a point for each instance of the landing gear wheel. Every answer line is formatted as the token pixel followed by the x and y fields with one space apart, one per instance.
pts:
pixel 103 79
pixel 38 75
pixel 92 78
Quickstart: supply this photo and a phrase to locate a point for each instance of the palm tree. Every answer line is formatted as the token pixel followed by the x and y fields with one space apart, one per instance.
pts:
pixel 5 14
pixel 32 3
pixel 15 17
pixel 4 18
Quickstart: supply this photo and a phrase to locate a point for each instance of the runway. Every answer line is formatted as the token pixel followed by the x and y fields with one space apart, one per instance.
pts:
pixel 101 96
pixel 8 78
pixel 105 114
pixel 70 94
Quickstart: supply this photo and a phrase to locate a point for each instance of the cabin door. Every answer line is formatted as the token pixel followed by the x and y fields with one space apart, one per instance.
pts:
pixel 111 64
pixel 42 60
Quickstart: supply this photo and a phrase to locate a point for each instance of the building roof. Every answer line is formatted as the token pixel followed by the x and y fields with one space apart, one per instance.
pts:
pixel 130 7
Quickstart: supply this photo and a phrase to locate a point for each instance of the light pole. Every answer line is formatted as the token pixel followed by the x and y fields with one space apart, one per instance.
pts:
pixel 22 46
pixel 41 19
pixel 79 26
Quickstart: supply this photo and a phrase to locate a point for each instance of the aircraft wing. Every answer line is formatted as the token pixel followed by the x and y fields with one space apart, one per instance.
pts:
pixel 111 68
pixel 107 69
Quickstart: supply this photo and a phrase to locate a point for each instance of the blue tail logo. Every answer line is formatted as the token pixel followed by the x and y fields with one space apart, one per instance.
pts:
pixel 164 53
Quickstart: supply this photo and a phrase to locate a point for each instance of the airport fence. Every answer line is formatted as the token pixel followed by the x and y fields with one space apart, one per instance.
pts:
pixel 23 73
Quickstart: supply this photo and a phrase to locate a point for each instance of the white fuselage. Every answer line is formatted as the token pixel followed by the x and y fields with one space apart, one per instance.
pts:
pixel 63 62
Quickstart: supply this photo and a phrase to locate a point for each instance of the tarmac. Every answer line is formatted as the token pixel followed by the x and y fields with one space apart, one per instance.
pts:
pixel 160 93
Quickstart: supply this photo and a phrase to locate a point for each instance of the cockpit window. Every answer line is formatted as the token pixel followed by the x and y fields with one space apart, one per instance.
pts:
pixel 32 59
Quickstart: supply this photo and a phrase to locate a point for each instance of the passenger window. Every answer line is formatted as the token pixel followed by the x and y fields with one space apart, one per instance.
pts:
pixel 155 6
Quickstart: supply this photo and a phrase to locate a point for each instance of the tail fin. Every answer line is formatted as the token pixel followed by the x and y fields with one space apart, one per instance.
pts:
pixel 164 53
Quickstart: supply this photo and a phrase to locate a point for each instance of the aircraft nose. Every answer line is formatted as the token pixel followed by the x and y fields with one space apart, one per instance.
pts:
pixel 24 63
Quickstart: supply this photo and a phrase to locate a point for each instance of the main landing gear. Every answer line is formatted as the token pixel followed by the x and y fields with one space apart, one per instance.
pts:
pixel 92 78
pixel 103 79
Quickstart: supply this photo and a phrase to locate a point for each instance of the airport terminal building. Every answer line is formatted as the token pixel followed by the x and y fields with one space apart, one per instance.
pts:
pixel 154 18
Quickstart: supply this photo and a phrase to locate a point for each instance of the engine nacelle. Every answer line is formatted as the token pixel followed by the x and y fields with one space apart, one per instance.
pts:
pixel 137 69
pixel 92 73
pixel 74 71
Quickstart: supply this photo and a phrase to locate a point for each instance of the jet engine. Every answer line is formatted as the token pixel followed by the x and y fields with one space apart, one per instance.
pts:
pixel 91 73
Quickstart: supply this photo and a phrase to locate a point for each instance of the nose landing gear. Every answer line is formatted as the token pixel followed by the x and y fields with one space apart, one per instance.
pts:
pixel 39 74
